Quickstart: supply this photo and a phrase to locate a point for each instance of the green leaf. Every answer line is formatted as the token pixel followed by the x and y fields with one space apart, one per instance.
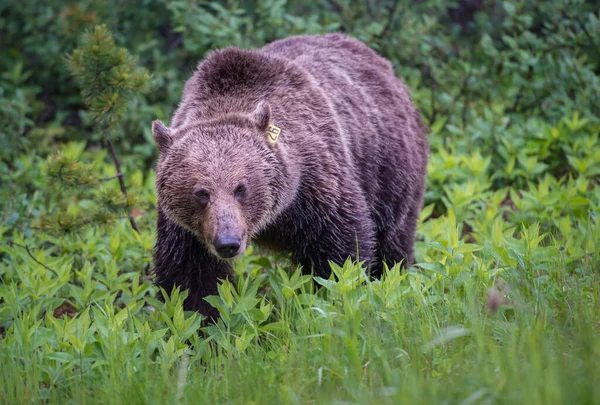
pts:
pixel 61 357
pixel 467 248
pixel 245 304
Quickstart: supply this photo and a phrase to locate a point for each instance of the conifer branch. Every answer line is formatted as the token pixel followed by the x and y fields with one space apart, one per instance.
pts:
pixel 109 78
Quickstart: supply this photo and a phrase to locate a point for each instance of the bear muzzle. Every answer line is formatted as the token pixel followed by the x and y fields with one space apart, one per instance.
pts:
pixel 227 246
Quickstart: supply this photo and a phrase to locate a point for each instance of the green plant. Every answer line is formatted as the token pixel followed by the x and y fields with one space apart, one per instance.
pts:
pixel 110 79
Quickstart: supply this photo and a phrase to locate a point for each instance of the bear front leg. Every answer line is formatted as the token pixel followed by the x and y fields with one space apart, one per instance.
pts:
pixel 334 233
pixel 337 248
pixel 396 244
pixel 180 259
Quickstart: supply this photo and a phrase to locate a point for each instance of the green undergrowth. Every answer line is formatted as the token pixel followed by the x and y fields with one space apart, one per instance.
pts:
pixel 501 307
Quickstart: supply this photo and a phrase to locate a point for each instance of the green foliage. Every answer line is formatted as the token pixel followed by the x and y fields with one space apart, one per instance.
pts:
pixel 108 76
pixel 91 329
pixel 14 111
pixel 110 79
pixel 249 24
pixel 502 306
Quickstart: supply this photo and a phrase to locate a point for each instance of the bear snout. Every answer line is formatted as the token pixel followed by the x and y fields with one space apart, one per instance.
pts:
pixel 227 246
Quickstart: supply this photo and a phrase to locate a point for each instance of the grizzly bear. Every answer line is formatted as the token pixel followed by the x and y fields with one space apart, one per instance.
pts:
pixel 309 145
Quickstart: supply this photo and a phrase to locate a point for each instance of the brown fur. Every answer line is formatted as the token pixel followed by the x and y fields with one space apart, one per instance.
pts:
pixel 346 176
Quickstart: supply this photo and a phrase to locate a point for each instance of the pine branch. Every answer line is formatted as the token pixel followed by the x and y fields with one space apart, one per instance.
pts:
pixel 109 78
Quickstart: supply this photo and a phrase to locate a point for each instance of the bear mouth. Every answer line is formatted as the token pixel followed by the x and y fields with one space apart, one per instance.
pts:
pixel 228 255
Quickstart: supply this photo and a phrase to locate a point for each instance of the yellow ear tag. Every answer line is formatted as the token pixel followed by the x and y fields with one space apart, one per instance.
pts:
pixel 273 134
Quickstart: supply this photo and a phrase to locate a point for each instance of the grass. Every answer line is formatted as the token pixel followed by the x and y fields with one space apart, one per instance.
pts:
pixel 512 317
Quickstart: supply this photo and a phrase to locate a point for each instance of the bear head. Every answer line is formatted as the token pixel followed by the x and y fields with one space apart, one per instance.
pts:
pixel 218 178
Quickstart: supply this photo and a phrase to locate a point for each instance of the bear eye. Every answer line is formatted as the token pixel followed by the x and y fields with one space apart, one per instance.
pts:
pixel 202 196
pixel 240 192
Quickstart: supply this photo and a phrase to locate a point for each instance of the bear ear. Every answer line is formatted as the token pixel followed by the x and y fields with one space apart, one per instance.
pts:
pixel 162 136
pixel 262 115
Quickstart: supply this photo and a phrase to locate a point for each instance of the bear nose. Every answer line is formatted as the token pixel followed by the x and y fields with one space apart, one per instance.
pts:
pixel 227 246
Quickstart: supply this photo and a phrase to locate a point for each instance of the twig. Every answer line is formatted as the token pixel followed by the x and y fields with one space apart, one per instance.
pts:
pixel 463 90
pixel 32 256
pixel 577 73
pixel 116 176
pixel 370 9
pixel 519 97
pixel 120 176
pixel 517 100
pixel 335 6
pixel 390 20
pixel 434 111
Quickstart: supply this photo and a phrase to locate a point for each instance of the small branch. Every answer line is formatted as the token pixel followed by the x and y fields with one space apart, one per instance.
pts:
pixel 584 29
pixel 434 111
pixel 370 9
pixel 517 101
pixel 335 6
pixel 338 8
pixel 390 20
pixel 518 98
pixel 120 176
pixel 462 92
pixel 33 257
pixel 577 73
pixel 116 176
